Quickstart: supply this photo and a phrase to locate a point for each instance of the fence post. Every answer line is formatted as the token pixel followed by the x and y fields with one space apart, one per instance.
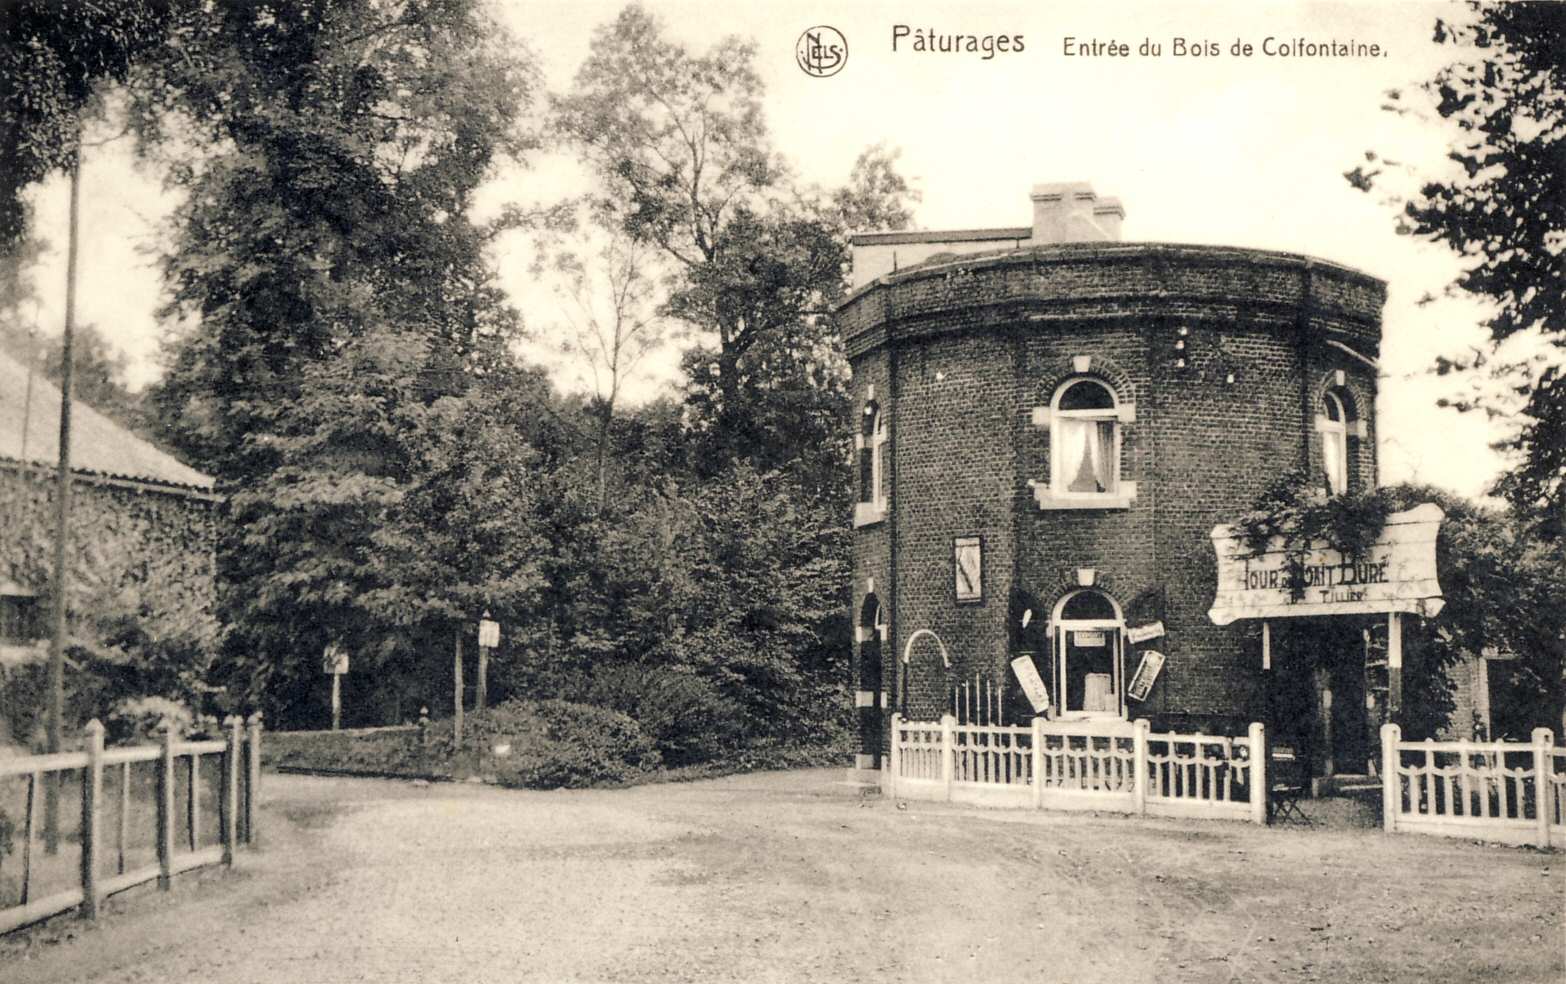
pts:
pixel 948 753
pixel 1258 755
pixel 1038 761
pixel 231 761
pixel 1140 728
pixel 1391 785
pixel 92 794
pixel 166 810
pixel 253 780
pixel 1543 804
pixel 894 759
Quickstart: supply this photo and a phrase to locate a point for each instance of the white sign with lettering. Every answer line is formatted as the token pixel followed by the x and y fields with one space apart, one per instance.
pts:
pixel 1142 633
pixel 1397 574
pixel 1146 675
pixel 1032 684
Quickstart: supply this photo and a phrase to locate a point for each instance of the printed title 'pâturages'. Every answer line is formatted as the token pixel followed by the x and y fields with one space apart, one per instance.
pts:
pixel 929 41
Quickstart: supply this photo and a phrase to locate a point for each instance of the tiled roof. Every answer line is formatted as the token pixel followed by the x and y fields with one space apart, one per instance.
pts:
pixel 98 444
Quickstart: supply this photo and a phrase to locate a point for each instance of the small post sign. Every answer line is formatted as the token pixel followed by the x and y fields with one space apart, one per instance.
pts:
pixel 488 638
pixel 334 661
pixel 489 632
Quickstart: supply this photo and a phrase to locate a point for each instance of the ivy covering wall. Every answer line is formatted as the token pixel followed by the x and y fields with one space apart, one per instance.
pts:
pixel 141 591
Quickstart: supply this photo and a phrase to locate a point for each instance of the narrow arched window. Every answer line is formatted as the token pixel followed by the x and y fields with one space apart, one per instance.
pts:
pixel 878 471
pixel 1084 440
pixel 1333 427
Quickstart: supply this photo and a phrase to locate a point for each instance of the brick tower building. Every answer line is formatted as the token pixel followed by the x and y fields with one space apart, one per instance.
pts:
pixel 1053 422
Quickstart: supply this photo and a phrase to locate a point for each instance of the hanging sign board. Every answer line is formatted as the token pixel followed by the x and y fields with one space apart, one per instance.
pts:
pixel 489 633
pixel 1089 637
pixel 1032 685
pixel 1142 633
pixel 334 660
pixel 1397 574
pixel 1146 675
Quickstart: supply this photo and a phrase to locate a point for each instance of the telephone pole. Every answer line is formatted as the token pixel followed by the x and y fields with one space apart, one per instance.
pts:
pixel 62 513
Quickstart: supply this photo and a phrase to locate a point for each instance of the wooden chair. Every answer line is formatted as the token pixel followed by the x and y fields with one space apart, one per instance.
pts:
pixel 1286 785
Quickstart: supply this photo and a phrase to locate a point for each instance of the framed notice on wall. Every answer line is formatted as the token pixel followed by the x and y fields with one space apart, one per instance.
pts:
pixel 968 568
pixel 1146 675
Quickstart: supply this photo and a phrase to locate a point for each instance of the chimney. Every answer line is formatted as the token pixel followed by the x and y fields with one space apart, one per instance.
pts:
pixel 1070 212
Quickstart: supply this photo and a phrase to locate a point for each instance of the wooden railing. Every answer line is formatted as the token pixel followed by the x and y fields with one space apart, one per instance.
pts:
pixel 1081 765
pixel 216 813
pixel 1511 792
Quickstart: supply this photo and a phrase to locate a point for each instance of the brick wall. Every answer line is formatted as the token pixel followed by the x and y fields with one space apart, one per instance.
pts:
pixel 961 352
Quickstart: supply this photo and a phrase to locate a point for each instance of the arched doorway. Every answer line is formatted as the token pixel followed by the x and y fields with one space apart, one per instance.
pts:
pixel 868 701
pixel 1089 655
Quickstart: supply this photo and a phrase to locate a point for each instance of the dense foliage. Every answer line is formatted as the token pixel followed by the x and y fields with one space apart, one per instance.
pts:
pixel 1504 213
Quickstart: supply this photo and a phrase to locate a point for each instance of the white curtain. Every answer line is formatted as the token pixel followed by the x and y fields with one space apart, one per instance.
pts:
pixel 1087 455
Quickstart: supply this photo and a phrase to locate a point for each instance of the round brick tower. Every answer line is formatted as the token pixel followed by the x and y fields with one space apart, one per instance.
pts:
pixel 1052 423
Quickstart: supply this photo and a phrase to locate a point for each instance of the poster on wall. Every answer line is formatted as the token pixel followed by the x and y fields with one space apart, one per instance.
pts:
pixel 1146 675
pixel 968 568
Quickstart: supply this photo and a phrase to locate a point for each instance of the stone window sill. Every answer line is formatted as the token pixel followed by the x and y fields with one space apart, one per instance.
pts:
pixel 868 513
pixel 1119 500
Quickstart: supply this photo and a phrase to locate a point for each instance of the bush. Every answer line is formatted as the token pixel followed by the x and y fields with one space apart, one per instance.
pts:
pixel 141 720
pixel 685 715
pixel 392 752
pixel 556 743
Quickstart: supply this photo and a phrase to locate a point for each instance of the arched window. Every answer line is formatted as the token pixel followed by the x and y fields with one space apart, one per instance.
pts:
pixel 874 480
pixel 1084 441
pixel 878 476
pixel 1089 672
pixel 1334 430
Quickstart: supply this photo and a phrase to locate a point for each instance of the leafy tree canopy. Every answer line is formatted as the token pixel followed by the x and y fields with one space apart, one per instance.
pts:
pixel 1504 212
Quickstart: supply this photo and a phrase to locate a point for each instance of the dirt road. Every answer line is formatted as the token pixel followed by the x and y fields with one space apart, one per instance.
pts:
pixel 790 877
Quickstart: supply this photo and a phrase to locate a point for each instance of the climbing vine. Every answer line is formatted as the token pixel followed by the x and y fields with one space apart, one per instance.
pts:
pixel 1298 514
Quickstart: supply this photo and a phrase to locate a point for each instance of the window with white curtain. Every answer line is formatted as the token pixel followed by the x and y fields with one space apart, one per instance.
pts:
pixel 1334 444
pixel 1084 440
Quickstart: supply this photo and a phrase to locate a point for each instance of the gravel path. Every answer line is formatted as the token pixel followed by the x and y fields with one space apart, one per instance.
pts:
pixel 792 877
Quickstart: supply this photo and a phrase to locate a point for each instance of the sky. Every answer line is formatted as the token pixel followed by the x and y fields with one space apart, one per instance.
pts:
pixel 1215 149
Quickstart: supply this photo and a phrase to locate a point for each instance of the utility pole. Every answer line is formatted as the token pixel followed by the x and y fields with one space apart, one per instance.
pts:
pixel 62 512
pixel 456 676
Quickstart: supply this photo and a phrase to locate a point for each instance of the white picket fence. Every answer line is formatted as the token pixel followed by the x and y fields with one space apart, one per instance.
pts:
pixel 1119 766
pixel 1510 792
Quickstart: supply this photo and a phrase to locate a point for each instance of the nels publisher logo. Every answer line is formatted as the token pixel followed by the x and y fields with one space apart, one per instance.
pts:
pixel 821 51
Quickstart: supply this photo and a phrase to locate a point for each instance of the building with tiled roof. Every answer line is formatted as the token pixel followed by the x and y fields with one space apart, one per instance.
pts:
pixel 141 535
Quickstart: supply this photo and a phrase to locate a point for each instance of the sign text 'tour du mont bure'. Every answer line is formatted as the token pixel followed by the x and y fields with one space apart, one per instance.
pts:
pixel 1397 574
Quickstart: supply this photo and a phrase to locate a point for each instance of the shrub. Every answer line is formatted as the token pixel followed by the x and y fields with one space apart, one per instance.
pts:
pixel 139 720
pixel 685 715
pixel 556 744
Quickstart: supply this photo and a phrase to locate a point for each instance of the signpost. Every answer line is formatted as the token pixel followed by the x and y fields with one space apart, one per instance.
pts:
pixel 334 661
pixel 1395 575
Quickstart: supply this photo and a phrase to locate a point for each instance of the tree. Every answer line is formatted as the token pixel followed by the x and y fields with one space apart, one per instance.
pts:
pixel 50 68
pixel 1504 212
pixel 346 336
pixel 606 283
pixel 680 143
